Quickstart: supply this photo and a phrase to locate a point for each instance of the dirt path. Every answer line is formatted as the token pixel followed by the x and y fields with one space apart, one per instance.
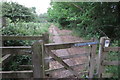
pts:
pixel 60 36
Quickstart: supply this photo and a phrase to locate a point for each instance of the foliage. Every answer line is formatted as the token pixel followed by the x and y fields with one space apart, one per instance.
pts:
pixel 17 60
pixel 22 29
pixel 92 19
pixel 17 12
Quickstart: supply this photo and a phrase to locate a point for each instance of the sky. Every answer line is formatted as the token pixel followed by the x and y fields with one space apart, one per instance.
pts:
pixel 41 5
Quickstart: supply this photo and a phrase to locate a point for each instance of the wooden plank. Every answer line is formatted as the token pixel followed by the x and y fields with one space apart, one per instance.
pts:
pixel 66 66
pixel 26 67
pixel 50 59
pixel 100 55
pixel 25 79
pixel 106 63
pixel 62 68
pixel 16 47
pixel 17 51
pixel 53 70
pixel 75 56
pixel 107 75
pixel 5 57
pixel 92 60
pixel 112 49
pixel 21 37
pixel 16 74
pixel 55 46
pixel 80 73
pixel 38 59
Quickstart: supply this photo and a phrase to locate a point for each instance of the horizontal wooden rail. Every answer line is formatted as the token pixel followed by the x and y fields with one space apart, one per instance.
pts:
pixel 17 51
pixel 16 74
pixel 58 69
pixel 111 63
pixel 107 75
pixel 21 37
pixel 26 66
pixel 112 49
pixel 55 46
pixel 80 73
pixel 68 57
pixel 62 68
pixel 16 47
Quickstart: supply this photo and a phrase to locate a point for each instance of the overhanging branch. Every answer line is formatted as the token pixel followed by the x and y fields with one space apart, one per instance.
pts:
pixel 77 6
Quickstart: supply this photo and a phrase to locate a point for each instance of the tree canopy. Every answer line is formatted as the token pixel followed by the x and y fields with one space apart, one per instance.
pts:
pixel 88 18
pixel 17 12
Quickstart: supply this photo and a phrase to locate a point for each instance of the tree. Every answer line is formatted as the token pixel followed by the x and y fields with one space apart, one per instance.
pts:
pixel 16 12
pixel 90 19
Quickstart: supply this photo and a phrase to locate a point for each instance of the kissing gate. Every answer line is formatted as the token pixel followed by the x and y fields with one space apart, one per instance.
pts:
pixel 43 53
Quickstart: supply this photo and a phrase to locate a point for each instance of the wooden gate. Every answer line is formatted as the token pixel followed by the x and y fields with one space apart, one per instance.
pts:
pixel 91 56
pixel 40 52
pixel 9 51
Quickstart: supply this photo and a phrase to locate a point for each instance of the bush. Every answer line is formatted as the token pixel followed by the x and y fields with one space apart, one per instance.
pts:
pixel 63 22
pixel 22 29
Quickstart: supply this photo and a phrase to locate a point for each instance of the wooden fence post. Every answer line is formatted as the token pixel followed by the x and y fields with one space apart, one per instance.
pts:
pixel 38 60
pixel 46 40
pixel 101 56
pixel 92 60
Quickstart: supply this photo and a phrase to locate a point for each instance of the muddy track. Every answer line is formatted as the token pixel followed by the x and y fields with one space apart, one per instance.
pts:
pixel 60 36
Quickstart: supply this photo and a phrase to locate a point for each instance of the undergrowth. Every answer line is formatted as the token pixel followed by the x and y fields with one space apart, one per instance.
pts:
pixel 22 29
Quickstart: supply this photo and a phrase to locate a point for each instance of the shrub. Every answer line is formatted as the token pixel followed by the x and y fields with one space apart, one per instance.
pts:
pixel 21 29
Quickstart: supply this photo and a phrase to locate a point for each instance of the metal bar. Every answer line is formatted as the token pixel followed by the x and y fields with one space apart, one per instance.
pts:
pixel 88 43
pixel 55 46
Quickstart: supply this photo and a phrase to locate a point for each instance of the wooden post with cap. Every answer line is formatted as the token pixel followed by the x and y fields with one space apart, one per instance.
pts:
pixel 38 59
pixel 46 40
pixel 101 56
